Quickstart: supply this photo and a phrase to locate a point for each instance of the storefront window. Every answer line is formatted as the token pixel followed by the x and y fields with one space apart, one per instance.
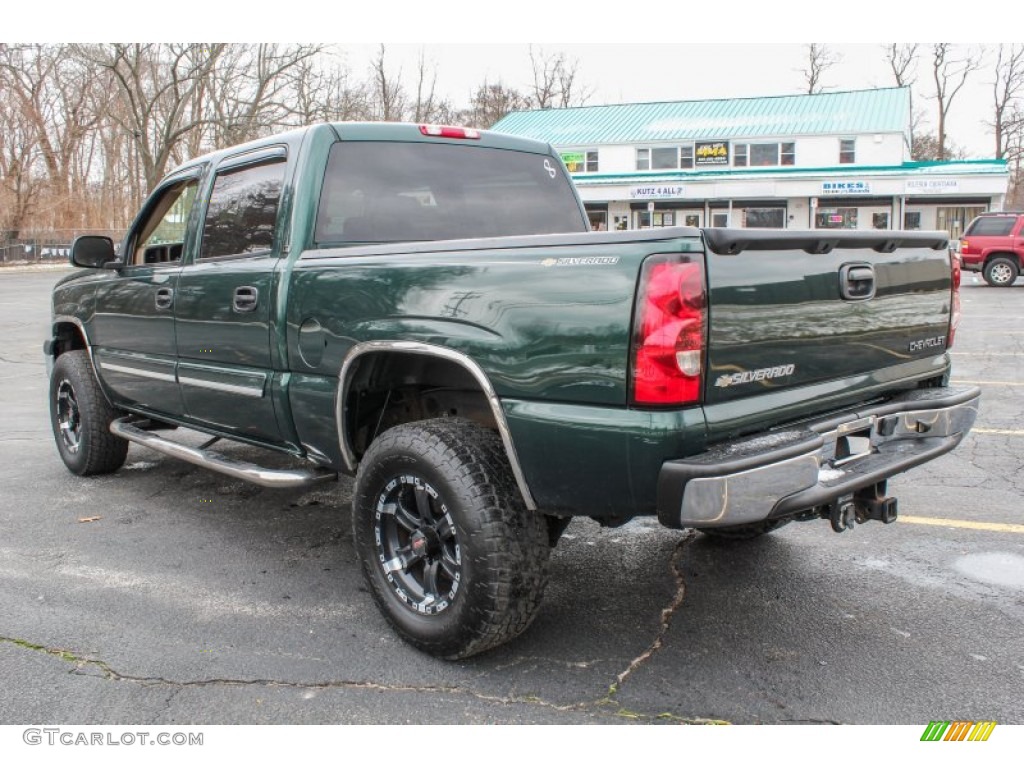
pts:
pixel 954 219
pixel 766 154
pixel 580 162
pixel 773 218
pixel 719 219
pixel 880 220
pixel 836 218
pixel 847 151
pixel 661 219
pixel 692 220
pixel 912 220
pixel 598 220
pixel 664 157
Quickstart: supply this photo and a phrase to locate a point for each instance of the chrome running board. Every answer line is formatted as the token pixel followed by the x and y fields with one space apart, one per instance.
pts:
pixel 243 470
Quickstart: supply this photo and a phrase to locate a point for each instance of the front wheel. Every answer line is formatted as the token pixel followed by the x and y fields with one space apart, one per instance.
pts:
pixel 1001 272
pixel 453 558
pixel 80 417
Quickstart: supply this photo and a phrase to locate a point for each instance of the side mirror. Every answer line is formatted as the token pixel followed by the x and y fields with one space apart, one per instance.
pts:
pixel 92 251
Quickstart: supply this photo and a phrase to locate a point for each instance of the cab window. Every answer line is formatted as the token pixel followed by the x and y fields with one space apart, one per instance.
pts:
pixel 161 237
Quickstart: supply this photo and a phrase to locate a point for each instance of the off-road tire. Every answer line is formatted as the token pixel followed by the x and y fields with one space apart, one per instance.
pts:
pixel 496 549
pixel 80 417
pixel 743 532
pixel 1001 272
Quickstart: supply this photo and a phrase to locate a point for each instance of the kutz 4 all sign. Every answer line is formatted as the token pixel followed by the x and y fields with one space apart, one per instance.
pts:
pixel 958 730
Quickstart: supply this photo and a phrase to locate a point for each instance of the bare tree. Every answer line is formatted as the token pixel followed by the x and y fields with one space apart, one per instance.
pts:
pixel 324 91
pixel 950 73
pixel 556 81
pixel 252 89
pixel 1006 90
pixel 902 60
pixel 389 99
pixel 820 59
pixel 491 102
pixel 158 87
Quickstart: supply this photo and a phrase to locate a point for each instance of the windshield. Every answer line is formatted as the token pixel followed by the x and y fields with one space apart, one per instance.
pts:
pixel 380 192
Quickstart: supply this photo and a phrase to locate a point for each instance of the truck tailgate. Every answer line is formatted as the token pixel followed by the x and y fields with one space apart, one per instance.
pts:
pixel 791 310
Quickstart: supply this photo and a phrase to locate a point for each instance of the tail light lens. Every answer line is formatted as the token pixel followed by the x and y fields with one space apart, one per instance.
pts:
pixel 965 246
pixel 954 316
pixel 668 338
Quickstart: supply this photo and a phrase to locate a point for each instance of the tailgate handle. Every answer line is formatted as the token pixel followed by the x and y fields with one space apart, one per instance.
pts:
pixel 857 282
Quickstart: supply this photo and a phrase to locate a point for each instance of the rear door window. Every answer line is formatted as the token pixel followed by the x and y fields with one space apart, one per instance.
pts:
pixel 992 226
pixel 380 192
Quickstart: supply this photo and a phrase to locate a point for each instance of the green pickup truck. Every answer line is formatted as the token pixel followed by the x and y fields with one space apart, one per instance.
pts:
pixel 423 307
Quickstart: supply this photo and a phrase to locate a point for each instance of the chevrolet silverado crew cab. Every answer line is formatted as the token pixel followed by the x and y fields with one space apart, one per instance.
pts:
pixel 423 307
pixel 993 244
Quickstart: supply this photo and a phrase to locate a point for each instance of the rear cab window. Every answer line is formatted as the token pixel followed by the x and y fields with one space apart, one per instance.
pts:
pixel 381 192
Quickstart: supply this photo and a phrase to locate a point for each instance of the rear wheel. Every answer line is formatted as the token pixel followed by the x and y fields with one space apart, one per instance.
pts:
pixel 80 417
pixel 452 557
pixel 1001 271
pixel 743 532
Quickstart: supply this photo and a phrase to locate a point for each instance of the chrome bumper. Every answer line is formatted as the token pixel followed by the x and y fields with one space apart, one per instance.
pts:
pixel 782 473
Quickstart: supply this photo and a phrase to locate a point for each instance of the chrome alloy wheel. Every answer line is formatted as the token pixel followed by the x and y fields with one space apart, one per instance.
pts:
pixel 417 544
pixel 69 420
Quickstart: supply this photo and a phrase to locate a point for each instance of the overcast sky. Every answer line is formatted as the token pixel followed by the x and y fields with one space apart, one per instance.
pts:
pixel 647 51
pixel 628 72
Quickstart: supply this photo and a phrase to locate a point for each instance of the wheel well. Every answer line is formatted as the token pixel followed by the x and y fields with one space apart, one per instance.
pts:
pixel 391 388
pixel 67 337
pixel 1003 254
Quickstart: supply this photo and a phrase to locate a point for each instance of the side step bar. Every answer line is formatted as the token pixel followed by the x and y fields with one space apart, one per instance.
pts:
pixel 243 470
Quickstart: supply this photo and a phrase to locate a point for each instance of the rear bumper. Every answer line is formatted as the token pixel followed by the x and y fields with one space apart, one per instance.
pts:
pixel 783 473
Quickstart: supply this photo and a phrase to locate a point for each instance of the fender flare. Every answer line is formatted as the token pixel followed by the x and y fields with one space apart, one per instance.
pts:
pixel 419 348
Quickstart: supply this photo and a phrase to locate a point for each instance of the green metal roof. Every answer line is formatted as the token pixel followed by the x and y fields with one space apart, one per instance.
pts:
pixel 882 110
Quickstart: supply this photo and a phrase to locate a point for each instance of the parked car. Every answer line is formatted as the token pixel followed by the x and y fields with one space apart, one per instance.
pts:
pixel 993 244
pixel 424 308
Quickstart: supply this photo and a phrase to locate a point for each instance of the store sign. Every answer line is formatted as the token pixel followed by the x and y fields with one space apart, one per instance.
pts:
pixel 845 188
pixel 711 153
pixel 656 193
pixel 931 186
pixel 574 161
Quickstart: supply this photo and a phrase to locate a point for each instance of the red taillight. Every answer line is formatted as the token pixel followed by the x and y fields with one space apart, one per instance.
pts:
pixel 965 247
pixel 954 316
pixel 668 341
pixel 449 132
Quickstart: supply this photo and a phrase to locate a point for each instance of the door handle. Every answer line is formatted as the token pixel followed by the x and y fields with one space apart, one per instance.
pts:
pixel 857 282
pixel 164 298
pixel 246 298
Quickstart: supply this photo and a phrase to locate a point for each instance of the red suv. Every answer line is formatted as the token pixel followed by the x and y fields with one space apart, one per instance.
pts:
pixel 993 244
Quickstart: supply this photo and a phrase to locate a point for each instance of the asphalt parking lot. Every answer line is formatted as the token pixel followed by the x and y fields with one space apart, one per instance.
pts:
pixel 193 598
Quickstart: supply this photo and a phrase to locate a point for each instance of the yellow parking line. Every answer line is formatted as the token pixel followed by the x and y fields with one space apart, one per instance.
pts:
pixel 973 524
pixel 986 431
pixel 991 383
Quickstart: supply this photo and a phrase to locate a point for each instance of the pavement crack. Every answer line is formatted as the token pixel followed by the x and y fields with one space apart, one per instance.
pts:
pixel 86 666
pixel 667 614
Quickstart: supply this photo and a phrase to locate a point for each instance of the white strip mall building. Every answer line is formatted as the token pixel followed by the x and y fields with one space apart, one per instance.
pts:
pixel 823 161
